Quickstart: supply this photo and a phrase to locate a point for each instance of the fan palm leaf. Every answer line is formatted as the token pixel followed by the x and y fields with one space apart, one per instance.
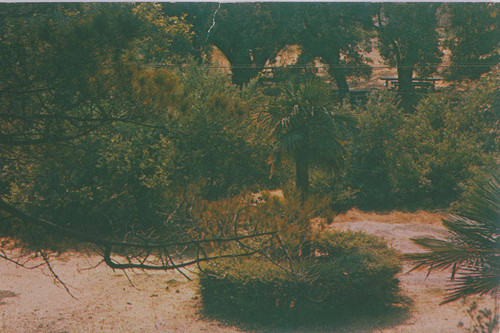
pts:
pixel 473 249
pixel 305 112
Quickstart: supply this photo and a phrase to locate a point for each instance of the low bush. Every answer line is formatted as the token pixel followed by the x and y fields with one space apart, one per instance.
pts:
pixel 347 274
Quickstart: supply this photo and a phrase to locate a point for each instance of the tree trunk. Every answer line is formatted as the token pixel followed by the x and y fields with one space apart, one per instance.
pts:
pixel 405 77
pixel 242 66
pixel 242 76
pixel 302 184
pixel 341 81
pixel 405 88
pixel 302 173
pixel 337 72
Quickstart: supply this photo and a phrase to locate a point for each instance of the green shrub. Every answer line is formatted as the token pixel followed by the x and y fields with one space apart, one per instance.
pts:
pixel 127 179
pixel 348 274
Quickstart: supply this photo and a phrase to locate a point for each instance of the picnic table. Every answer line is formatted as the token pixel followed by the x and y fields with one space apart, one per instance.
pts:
pixel 422 83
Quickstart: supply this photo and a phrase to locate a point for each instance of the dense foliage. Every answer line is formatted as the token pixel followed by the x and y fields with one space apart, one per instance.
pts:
pixel 473 39
pixel 130 177
pixel 94 139
pixel 429 158
pixel 350 274
pixel 305 125
pixel 112 119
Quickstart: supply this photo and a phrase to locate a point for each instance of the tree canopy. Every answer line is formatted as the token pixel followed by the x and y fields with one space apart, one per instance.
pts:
pixel 337 33
pixel 473 39
pixel 408 40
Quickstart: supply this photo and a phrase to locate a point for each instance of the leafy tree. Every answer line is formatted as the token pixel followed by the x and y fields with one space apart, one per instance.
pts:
pixel 62 78
pixel 66 68
pixel 473 250
pixel 70 71
pixel 165 38
pixel 452 139
pixel 221 151
pixel 376 156
pixel 194 141
pixel 248 34
pixel 339 34
pixel 251 34
pixel 429 158
pixel 408 40
pixel 69 95
pixel 473 37
pixel 90 135
pixel 306 126
pixel 57 61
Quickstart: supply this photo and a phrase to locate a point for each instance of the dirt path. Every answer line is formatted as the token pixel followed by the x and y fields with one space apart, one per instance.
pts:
pixel 166 302
pixel 426 291
pixel 107 302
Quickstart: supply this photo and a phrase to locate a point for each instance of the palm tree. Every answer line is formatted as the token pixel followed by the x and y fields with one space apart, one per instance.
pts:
pixel 307 129
pixel 473 251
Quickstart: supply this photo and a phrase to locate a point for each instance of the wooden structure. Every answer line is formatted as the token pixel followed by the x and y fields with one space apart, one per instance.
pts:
pixel 418 83
pixel 358 96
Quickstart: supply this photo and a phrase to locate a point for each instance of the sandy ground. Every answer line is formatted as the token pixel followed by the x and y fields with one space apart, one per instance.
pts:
pixel 167 302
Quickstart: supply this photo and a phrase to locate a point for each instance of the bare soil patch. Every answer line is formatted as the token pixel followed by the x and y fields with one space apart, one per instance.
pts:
pixel 167 302
pixel 417 218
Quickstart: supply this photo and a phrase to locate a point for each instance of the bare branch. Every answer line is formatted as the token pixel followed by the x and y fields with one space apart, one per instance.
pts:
pixel 129 265
pixel 108 243
pixel 141 260
pixel 90 267
pixel 5 256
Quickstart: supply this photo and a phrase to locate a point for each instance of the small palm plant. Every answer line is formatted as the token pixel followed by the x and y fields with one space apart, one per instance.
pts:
pixel 473 251
pixel 307 128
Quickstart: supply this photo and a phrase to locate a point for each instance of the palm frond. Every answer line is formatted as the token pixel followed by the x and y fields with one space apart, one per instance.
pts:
pixel 305 124
pixel 475 282
pixel 473 248
pixel 444 254
pixel 484 205
pixel 289 142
